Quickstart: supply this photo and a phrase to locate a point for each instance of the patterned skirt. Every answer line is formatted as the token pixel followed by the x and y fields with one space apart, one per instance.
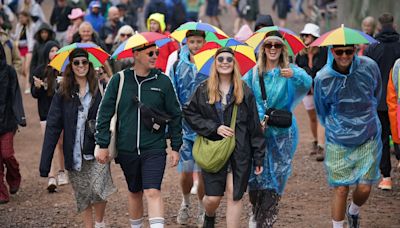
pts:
pixel 93 184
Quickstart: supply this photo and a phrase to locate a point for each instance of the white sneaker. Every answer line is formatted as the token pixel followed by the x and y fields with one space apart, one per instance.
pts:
pixel 252 222
pixel 195 186
pixel 183 215
pixel 200 219
pixel 52 185
pixel 62 178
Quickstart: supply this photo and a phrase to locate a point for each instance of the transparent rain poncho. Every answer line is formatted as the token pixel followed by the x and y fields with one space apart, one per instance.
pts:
pixel 282 93
pixel 347 107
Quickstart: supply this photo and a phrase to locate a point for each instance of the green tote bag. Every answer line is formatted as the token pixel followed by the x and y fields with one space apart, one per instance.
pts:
pixel 210 155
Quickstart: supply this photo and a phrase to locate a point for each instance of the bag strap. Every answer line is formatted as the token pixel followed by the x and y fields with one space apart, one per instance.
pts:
pixel 121 84
pixel 264 94
pixel 234 114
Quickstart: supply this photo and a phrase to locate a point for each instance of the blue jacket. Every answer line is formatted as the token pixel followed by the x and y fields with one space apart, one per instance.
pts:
pixel 63 115
pixel 346 104
pixel 97 21
pixel 282 93
pixel 185 81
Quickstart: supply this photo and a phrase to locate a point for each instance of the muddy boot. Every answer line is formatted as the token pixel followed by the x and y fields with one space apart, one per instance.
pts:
pixel 320 154
pixel 208 221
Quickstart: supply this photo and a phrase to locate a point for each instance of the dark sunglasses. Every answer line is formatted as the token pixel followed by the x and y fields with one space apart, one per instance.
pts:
pixel 277 46
pixel 221 59
pixel 78 62
pixel 340 52
pixel 150 54
pixel 123 34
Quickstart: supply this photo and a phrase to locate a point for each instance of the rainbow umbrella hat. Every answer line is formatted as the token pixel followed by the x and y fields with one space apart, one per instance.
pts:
pixel 97 56
pixel 292 41
pixel 244 55
pixel 139 39
pixel 343 36
pixel 180 33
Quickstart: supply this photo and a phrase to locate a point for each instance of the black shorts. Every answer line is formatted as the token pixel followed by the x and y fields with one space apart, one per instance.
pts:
pixel 145 171
pixel 212 8
pixel 215 183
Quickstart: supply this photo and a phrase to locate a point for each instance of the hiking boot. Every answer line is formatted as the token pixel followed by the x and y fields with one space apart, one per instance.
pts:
pixel 320 154
pixel 62 178
pixel 183 215
pixel 385 184
pixel 200 219
pixel 14 190
pixel 353 221
pixel 52 185
pixel 208 221
pixel 314 148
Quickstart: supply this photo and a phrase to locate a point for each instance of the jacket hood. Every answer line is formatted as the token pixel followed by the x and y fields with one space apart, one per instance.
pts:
pixel 3 59
pixel 387 35
pixel 329 64
pixel 44 26
pixel 264 20
pixel 160 18
pixel 47 47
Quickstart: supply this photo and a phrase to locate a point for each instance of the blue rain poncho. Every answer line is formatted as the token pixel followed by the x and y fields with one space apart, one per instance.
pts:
pixel 282 93
pixel 185 81
pixel 347 107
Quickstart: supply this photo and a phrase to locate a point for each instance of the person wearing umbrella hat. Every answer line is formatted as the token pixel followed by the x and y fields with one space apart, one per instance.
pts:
pixel 141 135
pixel 312 59
pixel 73 110
pixel 277 86
pixel 347 91
pixel 209 113
pixel 185 78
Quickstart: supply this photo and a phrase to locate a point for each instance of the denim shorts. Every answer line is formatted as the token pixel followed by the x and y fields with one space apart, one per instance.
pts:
pixel 145 171
pixel 186 160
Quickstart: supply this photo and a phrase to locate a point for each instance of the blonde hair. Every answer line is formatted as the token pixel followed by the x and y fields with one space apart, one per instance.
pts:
pixel 262 58
pixel 213 81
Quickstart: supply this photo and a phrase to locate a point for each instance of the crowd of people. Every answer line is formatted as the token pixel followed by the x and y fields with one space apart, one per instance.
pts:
pixel 350 93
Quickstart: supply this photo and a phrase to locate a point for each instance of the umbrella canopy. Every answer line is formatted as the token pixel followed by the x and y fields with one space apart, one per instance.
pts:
pixel 138 39
pixel 180 33
pixel 244 55
pixel 292 41
pixel 343 36
pixel 97 56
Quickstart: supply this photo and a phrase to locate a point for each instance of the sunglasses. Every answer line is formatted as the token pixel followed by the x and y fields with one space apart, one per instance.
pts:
pixel 276 46
pixel 123 34
pixel 340 52
pixel 221 59
pixel 78 62
pixel 150 54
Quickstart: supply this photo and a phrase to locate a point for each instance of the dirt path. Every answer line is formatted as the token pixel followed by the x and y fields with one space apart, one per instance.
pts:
pixel 306 202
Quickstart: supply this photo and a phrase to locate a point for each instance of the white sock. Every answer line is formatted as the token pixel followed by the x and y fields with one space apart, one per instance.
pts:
pixel 136 223
pixel 201 206
pixel 337 224
pixel 186 199
pixel 354 209
pixel 100 224
pixel 156 222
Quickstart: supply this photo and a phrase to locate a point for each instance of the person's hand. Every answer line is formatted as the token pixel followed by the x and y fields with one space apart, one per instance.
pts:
pixel 225 131
pixel 258 170
pixel 286 72
pixel 103 156
pixel 38 83
pixel 174 158
pixel 264 122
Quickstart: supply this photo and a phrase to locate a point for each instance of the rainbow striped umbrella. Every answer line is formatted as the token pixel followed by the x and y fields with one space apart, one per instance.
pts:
pixel 292 41
pixel 244 55
pixel 343 36
pixel 97 56
pixel 180 33
pixel 124 50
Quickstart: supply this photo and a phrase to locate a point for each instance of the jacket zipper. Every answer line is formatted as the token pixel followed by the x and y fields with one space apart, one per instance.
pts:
pixel 138 114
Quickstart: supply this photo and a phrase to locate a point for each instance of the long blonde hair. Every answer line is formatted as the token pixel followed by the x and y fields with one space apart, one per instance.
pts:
pixel 213 81
pixel 262 57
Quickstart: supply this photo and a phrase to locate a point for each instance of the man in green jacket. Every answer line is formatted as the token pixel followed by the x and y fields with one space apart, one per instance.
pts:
pixel 141 148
